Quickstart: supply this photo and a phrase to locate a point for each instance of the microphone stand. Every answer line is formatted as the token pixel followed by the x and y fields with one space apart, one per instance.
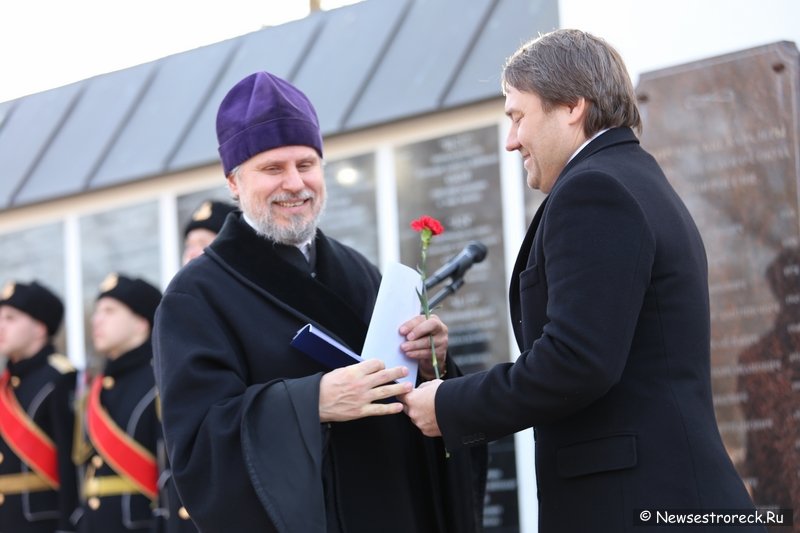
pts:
pixel 451 288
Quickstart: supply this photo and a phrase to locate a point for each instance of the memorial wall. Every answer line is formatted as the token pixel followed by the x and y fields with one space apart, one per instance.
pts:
pixel 456 179
pixel 725 130
pixel 351 215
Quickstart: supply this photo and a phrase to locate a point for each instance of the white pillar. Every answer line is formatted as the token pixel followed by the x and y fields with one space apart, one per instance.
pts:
pixel 514 226
pixel 73 294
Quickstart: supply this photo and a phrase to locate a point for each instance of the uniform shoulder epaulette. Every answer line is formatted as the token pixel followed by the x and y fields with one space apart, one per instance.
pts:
pixel 61 363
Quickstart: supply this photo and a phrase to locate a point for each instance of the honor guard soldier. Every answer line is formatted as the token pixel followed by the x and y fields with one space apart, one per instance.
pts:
pixel 38 491
pixel 120 427
pixel 206 222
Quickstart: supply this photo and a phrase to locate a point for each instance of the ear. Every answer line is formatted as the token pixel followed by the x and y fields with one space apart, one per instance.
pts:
pixel 41 330
pixel 142 325
pixel 577 112
pixel 232 185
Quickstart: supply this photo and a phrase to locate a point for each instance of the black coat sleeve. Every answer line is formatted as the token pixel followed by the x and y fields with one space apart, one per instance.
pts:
pixel 594 264
pixel 207 404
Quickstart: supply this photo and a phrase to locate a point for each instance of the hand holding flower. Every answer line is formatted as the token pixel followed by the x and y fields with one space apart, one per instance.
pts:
pixel 427 228
pixel 418 332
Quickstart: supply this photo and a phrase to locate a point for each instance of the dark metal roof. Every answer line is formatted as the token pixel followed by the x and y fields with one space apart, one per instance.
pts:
pixel 363 65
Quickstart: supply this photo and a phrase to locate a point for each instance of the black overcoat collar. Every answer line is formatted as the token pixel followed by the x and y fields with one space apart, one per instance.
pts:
pixel 612 137
pixel 139 356
pixel 333 296
pixel 31 364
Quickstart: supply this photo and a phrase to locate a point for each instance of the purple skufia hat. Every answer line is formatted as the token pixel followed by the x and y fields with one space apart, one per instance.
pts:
pixel 262 112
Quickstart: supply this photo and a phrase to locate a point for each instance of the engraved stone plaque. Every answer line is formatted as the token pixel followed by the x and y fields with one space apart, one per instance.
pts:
pixel 351 215
pixel 456 179
pixel 725 130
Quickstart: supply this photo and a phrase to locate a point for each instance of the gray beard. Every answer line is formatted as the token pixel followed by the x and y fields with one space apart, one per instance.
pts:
pixel 296 232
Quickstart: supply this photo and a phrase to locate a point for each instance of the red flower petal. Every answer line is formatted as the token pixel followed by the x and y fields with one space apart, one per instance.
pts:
pixel 430 223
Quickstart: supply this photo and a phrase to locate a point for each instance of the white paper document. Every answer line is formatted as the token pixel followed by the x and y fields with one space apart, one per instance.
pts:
pixel 397 303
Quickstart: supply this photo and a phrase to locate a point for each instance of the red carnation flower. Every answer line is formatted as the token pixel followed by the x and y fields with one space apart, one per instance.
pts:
pixel 426 222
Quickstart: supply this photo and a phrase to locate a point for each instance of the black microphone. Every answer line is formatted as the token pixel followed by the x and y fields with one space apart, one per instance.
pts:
pixel 473 252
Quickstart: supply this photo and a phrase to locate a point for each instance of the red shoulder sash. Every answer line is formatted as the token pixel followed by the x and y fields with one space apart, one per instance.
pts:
pixel 28 441
pixel 126 456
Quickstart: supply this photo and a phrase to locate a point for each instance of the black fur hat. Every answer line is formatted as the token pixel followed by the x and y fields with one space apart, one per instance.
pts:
pixel 35 300
pixel 141 297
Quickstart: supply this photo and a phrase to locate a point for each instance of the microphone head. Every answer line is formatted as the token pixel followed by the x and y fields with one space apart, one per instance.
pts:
pixel 473 252
pixel 477 250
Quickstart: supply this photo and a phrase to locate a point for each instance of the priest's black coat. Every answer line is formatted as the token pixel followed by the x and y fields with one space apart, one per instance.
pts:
pixel 240 405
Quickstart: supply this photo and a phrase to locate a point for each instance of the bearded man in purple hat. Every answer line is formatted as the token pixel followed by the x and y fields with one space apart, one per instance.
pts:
pixel 260 436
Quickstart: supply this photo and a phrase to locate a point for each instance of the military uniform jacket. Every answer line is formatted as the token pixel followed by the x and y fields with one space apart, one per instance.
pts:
pixel 241 406
pixel 609 304
pixel 129 397
pixel 43 386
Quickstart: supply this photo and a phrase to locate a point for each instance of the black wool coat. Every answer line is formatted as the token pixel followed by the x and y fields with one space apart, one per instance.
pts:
pixel 241 406
pixel 609 304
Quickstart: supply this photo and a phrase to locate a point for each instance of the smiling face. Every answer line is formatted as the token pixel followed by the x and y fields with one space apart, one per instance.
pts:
pixel 282 191
pixel 545 139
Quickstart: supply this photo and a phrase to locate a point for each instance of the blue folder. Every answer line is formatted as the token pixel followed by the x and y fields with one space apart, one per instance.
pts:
pixel 323 348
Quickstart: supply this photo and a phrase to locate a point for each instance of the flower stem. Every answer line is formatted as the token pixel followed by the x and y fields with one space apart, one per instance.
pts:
pixel 426 309
pixel 435 361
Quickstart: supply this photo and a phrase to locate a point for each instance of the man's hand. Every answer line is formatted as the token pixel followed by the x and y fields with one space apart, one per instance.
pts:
pixel 421 408
pixel 347 393
pixel 417 332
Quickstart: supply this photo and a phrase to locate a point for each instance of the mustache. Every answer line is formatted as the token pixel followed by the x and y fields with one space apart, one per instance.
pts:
pixel 293 197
